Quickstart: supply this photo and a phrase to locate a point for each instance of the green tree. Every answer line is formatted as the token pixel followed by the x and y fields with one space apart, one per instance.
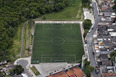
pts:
pixel 88 68
pixel 1 74
pixel 113 55
pixel 11 71
pixel 114 20
pixel 18 69
pixel 87 24
pixel 114 7
pixel 87 62
pixel 86 3
pixel 91 68
pixel 85 32
pixel 14 12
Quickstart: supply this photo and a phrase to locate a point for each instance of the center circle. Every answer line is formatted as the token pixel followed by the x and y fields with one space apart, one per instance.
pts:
pixel 58 41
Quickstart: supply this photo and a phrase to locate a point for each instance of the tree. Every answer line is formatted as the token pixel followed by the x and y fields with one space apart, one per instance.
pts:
pixel 87 62
pixel 114 20
pixel 114 7
pixel 86 3
pixel 14 12
pixel 88 68
pixel 113 55
pixel 87 24
pixel 1 74
pixel 91 68
pixel 18 69
pixel 11 71
pixel 85 32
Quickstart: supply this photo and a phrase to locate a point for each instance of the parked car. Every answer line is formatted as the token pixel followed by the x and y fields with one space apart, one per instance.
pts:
pixel 92 28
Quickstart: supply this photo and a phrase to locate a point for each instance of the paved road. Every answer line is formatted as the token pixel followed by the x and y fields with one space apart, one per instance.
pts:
pixel 89 40
pixel 24 64
pixel 22 45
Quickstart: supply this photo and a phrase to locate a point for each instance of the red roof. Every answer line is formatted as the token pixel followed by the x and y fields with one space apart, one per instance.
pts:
pixel 59 74
pixel 72 72
pixel 78 72
pixel 108 74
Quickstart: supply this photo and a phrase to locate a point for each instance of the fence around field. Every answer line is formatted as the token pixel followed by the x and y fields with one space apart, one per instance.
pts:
pixel 50 59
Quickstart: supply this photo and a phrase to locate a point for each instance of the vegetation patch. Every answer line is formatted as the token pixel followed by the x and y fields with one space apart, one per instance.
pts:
pixel 88 69
pixel 28 38
pixel 113 55
pixel 86 25
pixel 15 12
pixel 14 50
pixel 114 7
pixel 86 3
pixel 72 12
pixel 36 72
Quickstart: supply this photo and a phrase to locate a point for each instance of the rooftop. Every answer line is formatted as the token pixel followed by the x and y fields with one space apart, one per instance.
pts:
pixel 59 74
pixel 106 62
pixel 104 56
pixel 109 75
pixel 72 72
pixel 78 72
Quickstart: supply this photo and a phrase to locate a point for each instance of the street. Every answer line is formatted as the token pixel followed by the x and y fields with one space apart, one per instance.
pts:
pixel 24 64
pixel 90 37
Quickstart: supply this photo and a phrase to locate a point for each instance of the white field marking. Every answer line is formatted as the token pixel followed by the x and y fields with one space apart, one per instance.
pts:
pixel 58 21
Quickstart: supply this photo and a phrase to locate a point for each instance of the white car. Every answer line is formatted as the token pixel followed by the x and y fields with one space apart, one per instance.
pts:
pixel 24 75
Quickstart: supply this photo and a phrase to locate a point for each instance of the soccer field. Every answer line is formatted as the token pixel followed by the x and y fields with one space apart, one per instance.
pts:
pixel 57 42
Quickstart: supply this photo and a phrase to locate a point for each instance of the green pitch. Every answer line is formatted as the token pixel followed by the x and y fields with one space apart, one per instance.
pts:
pixel 57 43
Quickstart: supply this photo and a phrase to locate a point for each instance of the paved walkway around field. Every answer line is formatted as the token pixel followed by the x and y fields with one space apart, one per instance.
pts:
pixel 58 22
pixel 46 69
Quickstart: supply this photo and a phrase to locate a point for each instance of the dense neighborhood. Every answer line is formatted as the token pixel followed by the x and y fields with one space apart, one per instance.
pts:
pixel 104 39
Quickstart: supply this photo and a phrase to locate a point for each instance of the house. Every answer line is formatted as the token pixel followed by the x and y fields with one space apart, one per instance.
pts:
pixel 71 72
pixel 109 75
pixel 105 39
pixel 3 62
